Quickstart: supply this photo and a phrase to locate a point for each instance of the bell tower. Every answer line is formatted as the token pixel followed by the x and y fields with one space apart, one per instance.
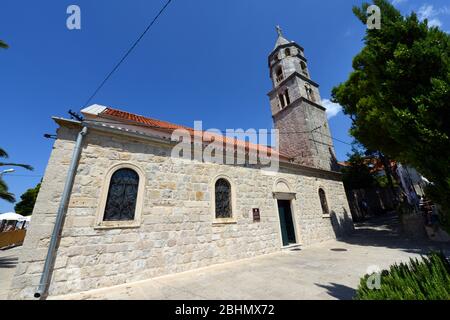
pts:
pixel 296 107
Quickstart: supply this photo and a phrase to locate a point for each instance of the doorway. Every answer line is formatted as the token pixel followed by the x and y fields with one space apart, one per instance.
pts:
pixel 286 222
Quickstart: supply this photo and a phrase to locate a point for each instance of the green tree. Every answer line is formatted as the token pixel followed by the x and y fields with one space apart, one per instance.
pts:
pixel 3 45
pixel 357 174
pixel 4 191
pixel 26 205
pixel 398 95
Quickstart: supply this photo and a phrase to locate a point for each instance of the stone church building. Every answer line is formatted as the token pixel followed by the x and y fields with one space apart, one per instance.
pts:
pixel 115 206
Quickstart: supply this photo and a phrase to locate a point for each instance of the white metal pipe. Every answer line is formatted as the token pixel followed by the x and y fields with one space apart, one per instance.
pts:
pixel 42 290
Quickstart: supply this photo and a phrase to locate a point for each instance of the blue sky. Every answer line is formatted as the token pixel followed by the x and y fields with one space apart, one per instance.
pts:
pixel 203 60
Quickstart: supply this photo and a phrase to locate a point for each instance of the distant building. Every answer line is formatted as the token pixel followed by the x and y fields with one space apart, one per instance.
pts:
pixel 411 182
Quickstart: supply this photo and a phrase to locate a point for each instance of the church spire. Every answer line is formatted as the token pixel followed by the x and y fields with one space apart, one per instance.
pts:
pixel 296 107
pixel 281 39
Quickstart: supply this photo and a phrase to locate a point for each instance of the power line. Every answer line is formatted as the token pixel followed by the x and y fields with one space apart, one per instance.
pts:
pixel 341 141
pixel 134 46
pixel 127 53
pixel 336 139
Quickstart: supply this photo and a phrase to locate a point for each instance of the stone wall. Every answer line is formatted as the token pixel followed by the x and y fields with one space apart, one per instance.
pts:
pixel 177 230
pixel 321 143
pixel 305 135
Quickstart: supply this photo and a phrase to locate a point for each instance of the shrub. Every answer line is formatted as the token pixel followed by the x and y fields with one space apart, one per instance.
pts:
pixel 425 279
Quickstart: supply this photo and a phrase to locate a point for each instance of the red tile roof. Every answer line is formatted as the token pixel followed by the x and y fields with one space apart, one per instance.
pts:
pixel 157 124
pixel 114 114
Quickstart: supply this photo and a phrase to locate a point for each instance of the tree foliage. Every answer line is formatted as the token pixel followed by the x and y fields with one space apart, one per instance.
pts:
pixel 398 94
pixel 360 170
pixel 28 199
pixel 4 190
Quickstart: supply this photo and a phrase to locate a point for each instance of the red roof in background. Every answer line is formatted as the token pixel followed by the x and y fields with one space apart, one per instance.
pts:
pixel 344 163
pixel 165 126
pixel 379 166
pixel 376 165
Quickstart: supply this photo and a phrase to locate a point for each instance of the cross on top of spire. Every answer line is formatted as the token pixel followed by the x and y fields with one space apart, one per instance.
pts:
pixel 281 39
pixel 279 31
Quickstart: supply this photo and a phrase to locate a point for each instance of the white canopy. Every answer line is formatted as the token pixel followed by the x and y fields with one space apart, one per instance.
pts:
pixel 12 216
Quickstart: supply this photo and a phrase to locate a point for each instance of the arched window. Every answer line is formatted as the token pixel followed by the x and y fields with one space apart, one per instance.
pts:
pixel 310 93
pixel 323 202
pixel 282 103
pixel 284 99
pixel 279 74
pixel 223 199
pixel 286 96
pixel 122 196
pixel 287 52
pixel 303 66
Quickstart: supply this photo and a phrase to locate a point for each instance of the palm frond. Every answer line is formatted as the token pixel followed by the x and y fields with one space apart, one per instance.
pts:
pixel 3 153
pixel 3 185
pixel 4 194
pixel 7 196
pixel 3 45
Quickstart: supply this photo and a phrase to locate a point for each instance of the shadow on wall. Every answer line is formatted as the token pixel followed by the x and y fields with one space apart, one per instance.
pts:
pixel 342 224
pixel 334 165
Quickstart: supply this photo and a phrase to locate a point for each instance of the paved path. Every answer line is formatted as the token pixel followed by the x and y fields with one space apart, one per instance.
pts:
pixel 328 270
pixel 8 262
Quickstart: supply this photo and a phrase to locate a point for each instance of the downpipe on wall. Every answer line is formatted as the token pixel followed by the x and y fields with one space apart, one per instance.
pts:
pixel 44 283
